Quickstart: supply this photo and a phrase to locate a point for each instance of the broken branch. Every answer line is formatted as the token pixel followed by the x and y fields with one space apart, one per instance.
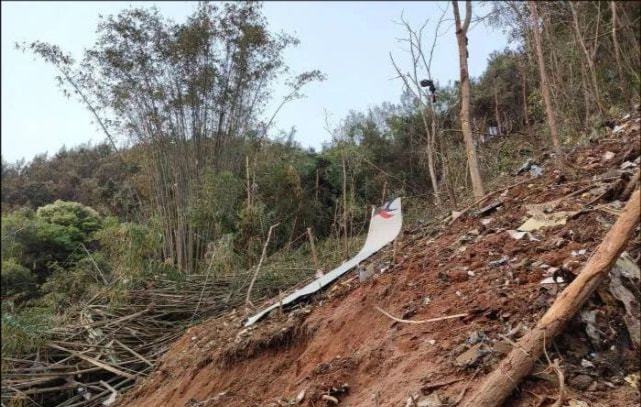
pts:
pixel 409 321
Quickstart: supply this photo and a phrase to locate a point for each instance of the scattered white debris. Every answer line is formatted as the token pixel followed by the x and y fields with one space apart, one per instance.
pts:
pixel 577 403
pixel 471 273
pixel 499 262
pixel 536 171
pixel 112 397
pixel 552 280
pixel 518 235
pixel 627 164
pixel 576 253
pixel 486 221
pixel 586 363
pixel 84 393
pixel 608 155
pixel 330 399
pixel 633 380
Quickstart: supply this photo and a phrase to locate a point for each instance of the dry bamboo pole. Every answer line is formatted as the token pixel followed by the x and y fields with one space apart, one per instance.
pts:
pixel 95 362
pixel 498 385
pixel 313 247
pixel 260 262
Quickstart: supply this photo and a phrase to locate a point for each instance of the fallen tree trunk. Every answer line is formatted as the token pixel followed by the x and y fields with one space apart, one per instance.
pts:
pixel 498 385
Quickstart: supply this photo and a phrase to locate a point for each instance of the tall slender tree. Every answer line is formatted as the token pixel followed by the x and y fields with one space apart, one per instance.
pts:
pixel 466 128
pixel 545 87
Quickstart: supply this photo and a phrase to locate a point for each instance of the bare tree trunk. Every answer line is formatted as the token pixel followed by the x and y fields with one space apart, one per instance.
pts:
pixel 497 113
pixel 498 385
pixel 526 115
pixel 316 186
pixel 470 148
pixel 617 56
pixel 248 183
pixel 586 96
pixel 313 247
pixel 429 150
pixel 588 57
pixel 344 222
pixel 413 84
pixel 545 88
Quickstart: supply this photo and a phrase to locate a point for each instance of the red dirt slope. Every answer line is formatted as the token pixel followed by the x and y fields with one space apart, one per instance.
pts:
pixel 340 348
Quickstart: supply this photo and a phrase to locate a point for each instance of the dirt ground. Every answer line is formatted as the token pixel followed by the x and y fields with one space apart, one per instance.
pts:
pixel 340 347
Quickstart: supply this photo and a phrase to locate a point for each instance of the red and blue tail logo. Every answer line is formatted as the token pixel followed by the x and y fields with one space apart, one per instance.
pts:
pixel 385 211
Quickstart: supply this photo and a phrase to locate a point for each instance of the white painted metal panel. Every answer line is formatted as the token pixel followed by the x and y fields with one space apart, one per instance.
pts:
pixel 384 226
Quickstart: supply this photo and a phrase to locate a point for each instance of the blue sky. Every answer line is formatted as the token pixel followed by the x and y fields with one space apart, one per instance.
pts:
pixel 349 41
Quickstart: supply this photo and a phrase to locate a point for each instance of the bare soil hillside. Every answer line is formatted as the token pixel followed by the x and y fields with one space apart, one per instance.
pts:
pixel 340 348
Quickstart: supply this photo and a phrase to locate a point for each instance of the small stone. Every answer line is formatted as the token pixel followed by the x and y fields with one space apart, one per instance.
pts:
pixel 433 400
pixel 471 356
pixel 476 337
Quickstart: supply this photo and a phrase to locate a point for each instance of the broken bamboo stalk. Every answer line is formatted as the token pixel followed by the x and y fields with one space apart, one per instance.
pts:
pixel 498 385
pixel 260 262
pixel 95 362
pixel 313 247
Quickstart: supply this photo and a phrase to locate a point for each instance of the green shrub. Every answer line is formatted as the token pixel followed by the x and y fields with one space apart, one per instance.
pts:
pixel 24 331
pixel 16 279
pixel 54 235
pixel 129 248
pixel 71 215
pixel 67 287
